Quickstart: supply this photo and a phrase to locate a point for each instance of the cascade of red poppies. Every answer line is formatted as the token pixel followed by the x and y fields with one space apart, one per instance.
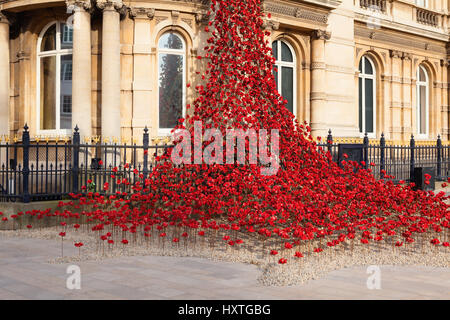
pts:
pixel 308 200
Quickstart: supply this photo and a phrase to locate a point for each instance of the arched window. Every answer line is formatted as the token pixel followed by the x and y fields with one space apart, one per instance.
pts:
pixel 367 96
pixel 54 77
pixel 285 72
pixel 422 85
pixel 171 78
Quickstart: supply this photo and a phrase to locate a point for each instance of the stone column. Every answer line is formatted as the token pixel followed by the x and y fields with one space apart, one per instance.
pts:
pixel 318 82
pixel 110 68
pixel 4 75
pixel 82 67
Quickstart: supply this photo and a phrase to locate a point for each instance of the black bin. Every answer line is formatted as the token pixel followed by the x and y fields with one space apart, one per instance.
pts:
pixel 419 178
pixel 353 151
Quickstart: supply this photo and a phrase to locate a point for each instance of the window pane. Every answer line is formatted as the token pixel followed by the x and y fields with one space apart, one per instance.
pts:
pixel 66 92
pixel 66 36
pixel 369 105
pixel 275 49
pixel 49 39
pixel 286 54
pixel 368 66
pixel 423 110
pixel 170 41
pixel 287 86
pixel 275 74
pixel 360 98
pixel 48 93
pixel 361 65
pixel 170 90
pixel 422 76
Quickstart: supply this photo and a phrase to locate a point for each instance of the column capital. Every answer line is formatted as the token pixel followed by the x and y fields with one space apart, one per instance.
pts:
pixel 75 5
pixel 142 13
pixel 110 5
pixel 270 24
pixel 201 18
pixel 395 54
pixel 320 35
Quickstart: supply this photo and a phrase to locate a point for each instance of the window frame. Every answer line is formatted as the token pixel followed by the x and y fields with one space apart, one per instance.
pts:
pixel 57 53
pixel 362 75
pixel 279 64
pixel 420 84
pixel 422 4
pixel 180 52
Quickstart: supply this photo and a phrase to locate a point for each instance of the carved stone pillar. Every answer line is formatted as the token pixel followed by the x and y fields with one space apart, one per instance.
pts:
pixel 82 67
pixel 4 74
pixel 318 81
pixel 110 110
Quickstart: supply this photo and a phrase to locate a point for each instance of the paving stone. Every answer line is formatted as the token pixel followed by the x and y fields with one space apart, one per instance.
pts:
pixel 26 274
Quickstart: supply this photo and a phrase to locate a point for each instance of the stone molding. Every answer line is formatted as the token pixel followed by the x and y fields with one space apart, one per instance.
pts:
pixel 297 12
pixel 320 35
pixel 142 13
pixel 399 40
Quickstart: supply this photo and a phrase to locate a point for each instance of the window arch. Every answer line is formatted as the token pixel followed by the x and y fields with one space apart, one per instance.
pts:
pixel 284 73
pixel 422 110
pixel 54 78
pixel 367 96
pixel 171 80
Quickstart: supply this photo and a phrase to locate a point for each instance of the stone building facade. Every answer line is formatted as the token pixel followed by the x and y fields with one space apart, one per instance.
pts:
pixel 113 67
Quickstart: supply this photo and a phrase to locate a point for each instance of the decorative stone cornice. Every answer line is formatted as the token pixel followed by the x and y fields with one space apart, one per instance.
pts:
pixel 142 13
pixel 298 12
pixel 320 35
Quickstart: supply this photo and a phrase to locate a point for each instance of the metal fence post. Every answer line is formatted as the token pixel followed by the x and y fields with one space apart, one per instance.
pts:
pixel 145 144
pixel 412 145
pixel 382 155
pixel 330 142
pixel 76 159
pixel 439 157
pixel 26 167
pixel 366 150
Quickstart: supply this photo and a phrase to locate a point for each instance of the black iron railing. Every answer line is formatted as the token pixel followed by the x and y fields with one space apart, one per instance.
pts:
pixel 52 170
pixel 398 160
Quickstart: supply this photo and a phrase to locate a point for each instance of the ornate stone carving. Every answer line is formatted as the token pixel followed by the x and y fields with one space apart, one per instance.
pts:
pixel 175 15
pixel 187 21
pixel 142 13
pixel 296 12
pixel 395 54
pixel 320 35
pixel 201 18
pixel 160 18
pixel 270 24
pixel 111 5
pixel 79 4
pixel 406 56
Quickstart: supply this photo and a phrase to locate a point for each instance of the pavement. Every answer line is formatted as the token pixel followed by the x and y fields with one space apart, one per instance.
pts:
pixel 25 273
